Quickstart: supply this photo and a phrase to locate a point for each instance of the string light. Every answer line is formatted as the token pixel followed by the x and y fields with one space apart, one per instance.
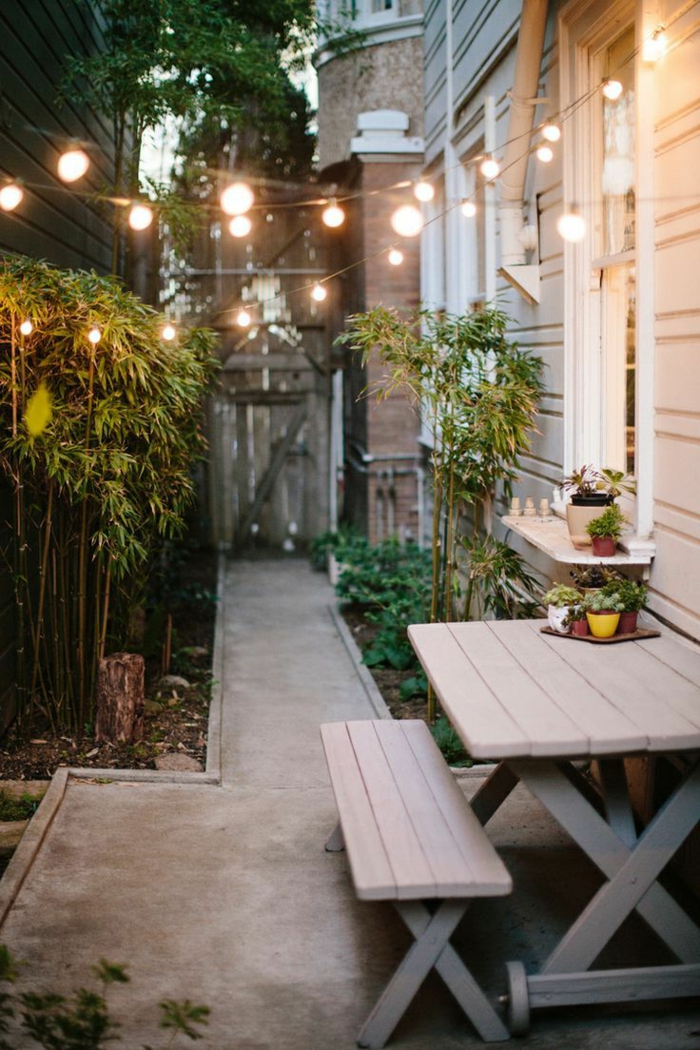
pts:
pixel 240 226
pixel 395 257
pixel 140 217
pixel 571 225
pixel 237 199
pixel 654 47
pixel 26 328
pixel 424 191
pixel 168 332
pixel 407 221
pixel 612 89
pixel 544 153
pixel 11 195
pixel 73 164
pixel 318 293
pixel 551 132
pixel 490 168
pixel 94 335
pixel 333 215
pixel 243 318
pixel 468 209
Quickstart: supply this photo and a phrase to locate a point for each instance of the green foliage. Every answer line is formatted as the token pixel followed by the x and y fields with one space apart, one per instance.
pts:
pixel 610 523
pixel 108 479
pixel 631 593
pixel 561 594
pixel 450 745
pixel 378 576
pixel 604 601
pixel 416 685
pixel 594 575
pixel 341 542
pixel 587 481
pixel 499 582
pixel 83 1021
pixel 22 808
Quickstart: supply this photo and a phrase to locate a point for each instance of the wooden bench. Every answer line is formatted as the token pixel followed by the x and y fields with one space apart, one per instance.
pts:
pixel 411 836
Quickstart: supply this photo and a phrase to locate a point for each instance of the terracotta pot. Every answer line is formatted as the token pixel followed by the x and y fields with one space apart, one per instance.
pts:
pixel 580 627
pixel 603 624
pixel 628 622
pixel 604 546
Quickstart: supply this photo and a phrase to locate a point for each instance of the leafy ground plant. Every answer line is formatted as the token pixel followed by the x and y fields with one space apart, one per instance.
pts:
pixel 83 1021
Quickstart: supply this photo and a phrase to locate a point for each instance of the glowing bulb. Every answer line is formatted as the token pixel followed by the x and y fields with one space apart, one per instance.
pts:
pixel 407 221
pixel 333 215
pixel 240 226
pixel 73 164
pixel 424 191
pixel 654 47
pixel 26 328
pixel 571 225
pixel 140 217
pixel 168 333
pixel 94 335
pixel 490 168
pixel 237 198
pixel 544 153
pixel 10 196
pixel 395 257
pixel 551 132
pixel 612 89
pixel 319 293
pixel 468 209
pixel 243 318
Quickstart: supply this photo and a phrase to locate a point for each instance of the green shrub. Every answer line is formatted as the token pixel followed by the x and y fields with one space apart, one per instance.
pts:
pixel 452 748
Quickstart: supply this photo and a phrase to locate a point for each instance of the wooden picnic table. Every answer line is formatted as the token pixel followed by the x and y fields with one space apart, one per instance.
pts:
pixel 533 702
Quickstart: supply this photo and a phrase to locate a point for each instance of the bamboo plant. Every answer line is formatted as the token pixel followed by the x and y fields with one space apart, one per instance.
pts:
pixel 102 483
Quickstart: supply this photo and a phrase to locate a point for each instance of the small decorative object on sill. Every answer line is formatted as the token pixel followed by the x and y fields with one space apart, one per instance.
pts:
pixel 530 511
pixel 543 511
pixel 515 508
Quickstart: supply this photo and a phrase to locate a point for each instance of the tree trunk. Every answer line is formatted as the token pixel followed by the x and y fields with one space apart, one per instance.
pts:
pixel 120 698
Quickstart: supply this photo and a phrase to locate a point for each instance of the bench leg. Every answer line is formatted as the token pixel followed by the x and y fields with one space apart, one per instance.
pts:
pixel 431 949
pixel 335 843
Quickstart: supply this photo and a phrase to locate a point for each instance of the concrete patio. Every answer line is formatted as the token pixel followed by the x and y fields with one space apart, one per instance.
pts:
pixel 216 887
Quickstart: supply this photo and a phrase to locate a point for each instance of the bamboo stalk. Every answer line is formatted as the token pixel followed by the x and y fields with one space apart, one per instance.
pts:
pixel 43 563
pixel 83 557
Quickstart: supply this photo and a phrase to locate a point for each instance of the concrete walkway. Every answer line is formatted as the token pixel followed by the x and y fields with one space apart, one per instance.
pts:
pixel 215 887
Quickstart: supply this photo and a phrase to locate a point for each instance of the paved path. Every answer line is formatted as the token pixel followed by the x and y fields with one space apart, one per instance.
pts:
pixel 222 892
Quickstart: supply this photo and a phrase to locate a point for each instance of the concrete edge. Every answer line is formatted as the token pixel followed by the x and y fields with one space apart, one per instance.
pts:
pixel 370 686
pixel 31 842
pixel 213 766
pixel 142 776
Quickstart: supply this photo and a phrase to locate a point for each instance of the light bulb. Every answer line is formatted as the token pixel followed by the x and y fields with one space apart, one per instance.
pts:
pixel 140 217
pixel 424 191
pixel 468 209
pixel 240 226
pixel 490 168
pixel 654 47
pixel 407 221
pixel 26 328
pixel 73 164
pixel 319 293
pixel 243 318
pixel 612 89
pixel 94 335
pixel 333 216
pixel 237 198
pixel 11 195
pixel 571 225
pixel 544 153
pixel 168 332
pixel 551 132
pixel 395 257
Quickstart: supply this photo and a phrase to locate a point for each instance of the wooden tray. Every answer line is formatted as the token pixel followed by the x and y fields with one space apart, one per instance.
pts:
pixel 640 633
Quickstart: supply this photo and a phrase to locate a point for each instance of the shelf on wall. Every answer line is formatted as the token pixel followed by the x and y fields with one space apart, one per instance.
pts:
pixel 551 535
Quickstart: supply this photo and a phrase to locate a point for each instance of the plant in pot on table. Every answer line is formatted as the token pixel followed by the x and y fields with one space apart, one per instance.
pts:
pixel 603 612
pixel 588 490
pixel 605 531
pixel 559 600
pixel 633 595
pixel 575 617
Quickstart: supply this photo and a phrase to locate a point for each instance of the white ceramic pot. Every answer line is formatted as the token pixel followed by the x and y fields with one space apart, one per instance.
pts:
pixel 556 615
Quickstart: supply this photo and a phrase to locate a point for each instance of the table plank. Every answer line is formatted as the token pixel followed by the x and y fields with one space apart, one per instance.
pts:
pixel 486 728
pixel 413 875
pixel 373 877
pixel 681 656
pixel 549 730
pixel 584 706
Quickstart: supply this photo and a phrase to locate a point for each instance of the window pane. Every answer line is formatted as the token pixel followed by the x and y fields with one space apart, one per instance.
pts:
pixel 618 173
pixel 620 366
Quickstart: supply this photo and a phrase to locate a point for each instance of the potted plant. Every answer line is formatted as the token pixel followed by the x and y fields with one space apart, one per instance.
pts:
pixel 576 618
pixel 589 489
pixel 592 577
pixel 558 600
pixel 616 482
pixel 605 530
pixel 633 595
pixel 603 613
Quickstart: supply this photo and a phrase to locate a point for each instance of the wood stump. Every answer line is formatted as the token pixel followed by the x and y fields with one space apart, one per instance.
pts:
pixel 120 698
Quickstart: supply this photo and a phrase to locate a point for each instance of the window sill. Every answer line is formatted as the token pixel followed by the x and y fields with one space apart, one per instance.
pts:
pixel 551 535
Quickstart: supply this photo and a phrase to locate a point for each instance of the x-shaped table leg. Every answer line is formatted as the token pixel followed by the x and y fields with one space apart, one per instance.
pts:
pixel 431 949
pixel 631 870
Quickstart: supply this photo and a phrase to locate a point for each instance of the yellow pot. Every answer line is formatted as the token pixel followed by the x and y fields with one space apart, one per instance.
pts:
pixel 603 624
